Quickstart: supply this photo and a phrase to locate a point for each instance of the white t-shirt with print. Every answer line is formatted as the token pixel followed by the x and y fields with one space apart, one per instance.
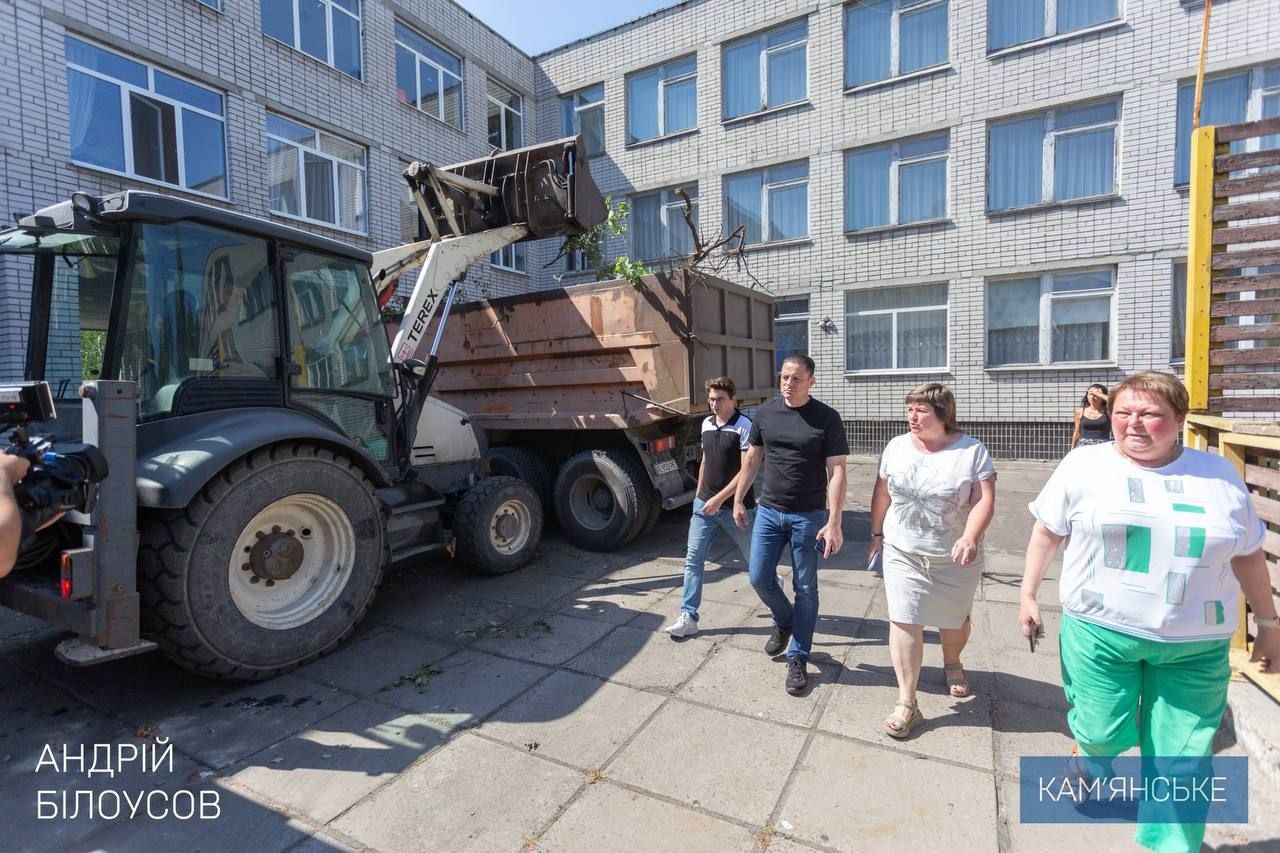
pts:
pixel 932 493
pixel 1150 549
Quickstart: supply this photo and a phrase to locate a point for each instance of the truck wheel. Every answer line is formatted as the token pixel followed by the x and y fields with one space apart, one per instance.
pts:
pixel 525 463
pixel 603 498
pixel 498 525
pixel 272 565
pixel 655 513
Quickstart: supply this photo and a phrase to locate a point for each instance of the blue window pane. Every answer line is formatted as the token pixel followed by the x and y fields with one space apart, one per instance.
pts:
pixel 429 49
pixel 646 226
pixel 681 110
pixel 286 129
pixel 1225 100
pixel 591 94
pixel 204 154
pixel 352 6
pixel 406 76
pixel 97 128
pixel 786 72
pixel 791 337
pixel 318 173
pixel 787 34
pixel 346 44
pixel 680 67
pixel 789 212
pixel 742 78
pixel 922 38
pixel 866 41
pixel 592 130
pixel 429 89
pixel 568 119
pixel 277 19
pixel 188 93
pixel 1090 114
pixel 922 146
pixel 742 194
pixel 1013 22
pixel 1014 163
pixel 867 188
pixel 314 29
pixel 1084 164
pixel 922 191
pixel 1078 14
pixel 282 164
pixel 105 62
pixel 642 106
pixel 788 172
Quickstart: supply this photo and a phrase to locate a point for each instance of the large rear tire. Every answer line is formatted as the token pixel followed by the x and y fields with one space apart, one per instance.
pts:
pixel 272 564
pixel 603 499
pixel 498 525
pixel 525 463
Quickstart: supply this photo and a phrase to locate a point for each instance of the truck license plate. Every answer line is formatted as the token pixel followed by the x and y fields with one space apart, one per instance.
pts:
pixel 666 466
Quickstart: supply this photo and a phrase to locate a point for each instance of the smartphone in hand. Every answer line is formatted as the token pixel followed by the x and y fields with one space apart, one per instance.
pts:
pixel 873 565
pixel 1036 634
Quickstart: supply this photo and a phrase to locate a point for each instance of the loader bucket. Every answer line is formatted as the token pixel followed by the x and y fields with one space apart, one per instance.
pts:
pixel 548 187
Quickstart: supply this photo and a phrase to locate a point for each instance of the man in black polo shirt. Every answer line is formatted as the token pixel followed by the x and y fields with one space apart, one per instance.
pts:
pixel 803 446
pixel 724 439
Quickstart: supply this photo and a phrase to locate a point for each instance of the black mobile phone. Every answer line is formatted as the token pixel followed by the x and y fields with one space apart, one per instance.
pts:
pixel 1036 634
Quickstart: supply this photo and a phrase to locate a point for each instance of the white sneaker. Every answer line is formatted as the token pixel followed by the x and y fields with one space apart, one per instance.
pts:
pixel 685 626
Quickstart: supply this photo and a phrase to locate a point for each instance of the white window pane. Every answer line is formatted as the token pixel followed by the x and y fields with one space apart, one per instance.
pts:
pixel 346 44
pixel 866 41
pixel 429 89
pixel 282 162
pixel 789 212
pixel 429 49
pixel 340 149
pixel 786 76
pixel 891 298
pixel 679 237
pixel 867 188
pixel 592 129
pixel 922 191
pixel 313 29
pixel 290 130
pixel 642 106
pixel 681 106
pixel 1013 322
pixel 646 224
pixel 922 339
pixel 1013 21
pixel 869 342
pixel 97 127
pixel 1077 14
pixel 922 38
pixel 188 93
pixel 452 100
pixel 1082 329
pixel 1084 164
pixel 351 197
pixel 742 204
pixel 204 153
pixel 1091 280
pixel 105 62
pixel 742 78
pixel 318 183
pixel 1014 163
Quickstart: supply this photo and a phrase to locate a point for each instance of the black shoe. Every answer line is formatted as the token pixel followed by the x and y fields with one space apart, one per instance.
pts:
pixel 797 678
pixel 777 640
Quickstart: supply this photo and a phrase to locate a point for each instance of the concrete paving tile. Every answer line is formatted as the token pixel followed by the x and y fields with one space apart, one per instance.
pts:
pixel 646 660
pixel 574 718
pixel 14 623
pixel 375 661
pixel 323 842
pixel 752 684
pixel 1060 837
pixel 614 602
pixel 739 771
pixel 463 688
pixel 607 817
pixel 533 586
pixel 1033 679
pixel 727 585
pixel 1027 730
pixel 324 770
pixel 566 559
pixel 650 573
pixel 1005 634
pixel 473 795
pixel 221 732
pixel 851 796
pixel 550 638
pixel 454 618
pixel 716 621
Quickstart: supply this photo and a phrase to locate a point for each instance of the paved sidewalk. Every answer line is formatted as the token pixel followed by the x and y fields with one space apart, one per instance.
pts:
pixel 545 710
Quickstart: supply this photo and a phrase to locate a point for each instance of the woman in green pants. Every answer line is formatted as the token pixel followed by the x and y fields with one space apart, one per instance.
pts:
pixel 1162 540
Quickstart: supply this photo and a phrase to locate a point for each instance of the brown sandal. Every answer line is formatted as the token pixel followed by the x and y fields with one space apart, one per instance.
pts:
pixel 905 723
pixel 957 686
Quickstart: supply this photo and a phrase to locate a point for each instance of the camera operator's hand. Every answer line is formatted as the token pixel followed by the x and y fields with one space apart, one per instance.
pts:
pixel 12 470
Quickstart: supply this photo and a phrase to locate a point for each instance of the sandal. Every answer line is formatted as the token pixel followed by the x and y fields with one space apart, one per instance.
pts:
pixel 958 685
pixel 904 723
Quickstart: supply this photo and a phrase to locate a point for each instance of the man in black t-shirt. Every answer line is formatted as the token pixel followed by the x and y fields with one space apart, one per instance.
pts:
pixel 724 440
pixel 802 444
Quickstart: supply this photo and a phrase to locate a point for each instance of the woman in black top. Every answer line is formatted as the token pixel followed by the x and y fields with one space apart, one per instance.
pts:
pixel 1093 421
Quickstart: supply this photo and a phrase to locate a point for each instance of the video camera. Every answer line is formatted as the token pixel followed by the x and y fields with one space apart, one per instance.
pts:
pixel 58 481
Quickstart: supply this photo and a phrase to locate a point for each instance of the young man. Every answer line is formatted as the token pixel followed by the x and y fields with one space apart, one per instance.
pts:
pixel 724 440
pixel 802 444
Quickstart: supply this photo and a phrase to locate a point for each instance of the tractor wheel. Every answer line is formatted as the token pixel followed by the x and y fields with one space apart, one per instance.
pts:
pixel 272 565
pixel 603 499
pixel 525 463
pixel 498 525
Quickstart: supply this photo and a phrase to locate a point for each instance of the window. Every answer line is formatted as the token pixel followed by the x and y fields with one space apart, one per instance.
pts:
pixel 578 262
pixel 315 176
pixel 134 119
pixel 790 329
pixel 662 100
pixel 886 38
pixel 1178 314
pixel 896 328
pixel 506 117
pixel 658 229
pixel 1011 22
pixel 1055 156
pixel 772 203
pixel 1244 96
pixel 1051 318
pixel 896 184
pixel 583 113
pixel 216 5
pixel 428 76
pixel 329 30
pixel 509 258
pixel 766 70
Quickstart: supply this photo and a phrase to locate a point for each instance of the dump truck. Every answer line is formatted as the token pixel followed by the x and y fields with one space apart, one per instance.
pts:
pixel 264 452
pixel 593 393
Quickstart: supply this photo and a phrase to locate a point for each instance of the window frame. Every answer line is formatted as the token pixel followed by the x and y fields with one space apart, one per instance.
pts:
pixel 441 71
pixel 669 205
pixel 661 106
pixel 1048 159
pixel 1051 31
pixel 126 115
pixel 581 105
pixel 764 51
pixel 895 43
pixel 794 318
pixel 1045 318
pixel 334 160
pixel 945 307
pixel 503 109
pixel 519 259
pixel 895 164
pixel 330 7
pixel 766 207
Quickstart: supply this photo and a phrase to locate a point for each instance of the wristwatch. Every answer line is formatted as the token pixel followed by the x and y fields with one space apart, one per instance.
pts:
pixel 1266 623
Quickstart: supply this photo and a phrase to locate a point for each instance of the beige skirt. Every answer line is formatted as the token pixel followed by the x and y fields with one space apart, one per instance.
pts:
pixel 932 591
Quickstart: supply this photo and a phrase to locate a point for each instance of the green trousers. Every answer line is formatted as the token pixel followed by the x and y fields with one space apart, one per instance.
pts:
pixel 1126 691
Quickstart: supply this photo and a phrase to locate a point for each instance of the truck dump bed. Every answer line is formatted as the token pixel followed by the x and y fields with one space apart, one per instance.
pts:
pixel 606 355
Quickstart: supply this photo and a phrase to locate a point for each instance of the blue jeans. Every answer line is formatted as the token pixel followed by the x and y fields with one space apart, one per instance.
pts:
pixel 773 529
pixel 702 533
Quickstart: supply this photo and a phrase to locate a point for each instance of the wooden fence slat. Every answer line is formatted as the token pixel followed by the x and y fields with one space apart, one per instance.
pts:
pixel 1239 283
pixel 1247 130
pixel 1246 234
pixel 1252 160
pixel 1251 332
pixel 1258 355
pixel 1244 380
pixel 1271 543
pixel 1246 258
pixel 1244 404
pixel 1245 308
pixel 1262 477
pixel 1232 187
pixel 1268 509
pixel 1245 210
